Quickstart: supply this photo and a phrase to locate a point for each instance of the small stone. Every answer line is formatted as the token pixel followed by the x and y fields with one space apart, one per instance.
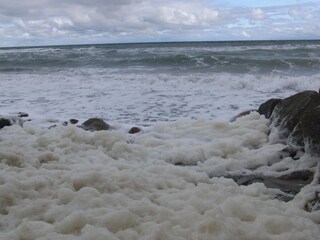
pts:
pixel 134 130
pixel 23 114
pixel 242 114
pixel 73 121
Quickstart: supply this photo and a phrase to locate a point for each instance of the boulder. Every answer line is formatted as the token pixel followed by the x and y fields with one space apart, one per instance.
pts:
pixel 310 130
pixel 298 120
pixel 95 124
pixel 288 113
pixel 266 108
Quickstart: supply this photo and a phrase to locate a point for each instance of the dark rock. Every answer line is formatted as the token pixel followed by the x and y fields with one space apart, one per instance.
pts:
pixel 313 204
pixel 305 175
pixel 294 153
pixel 310 129
pixel 4 122
pixel 23 114
pixel 288 112
pixel 134 130
pixel 267 108
pixel 242 114
pixel 73 121
pixel 290 187
pixel 10 120
pixel 298 119
pixel 295 138
pixel 95 124
pixel 181 164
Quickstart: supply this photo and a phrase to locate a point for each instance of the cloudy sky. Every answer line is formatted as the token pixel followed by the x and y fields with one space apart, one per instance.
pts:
pixel 47 22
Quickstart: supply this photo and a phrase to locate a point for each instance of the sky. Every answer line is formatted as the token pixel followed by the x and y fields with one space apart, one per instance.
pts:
pixel 55 22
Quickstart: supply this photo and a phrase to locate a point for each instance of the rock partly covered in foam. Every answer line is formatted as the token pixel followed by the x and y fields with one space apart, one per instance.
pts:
pixel 95 124
pixel 10 120
pixel 297 118
pixel 266 108
pixel 134 130
pixel 296 122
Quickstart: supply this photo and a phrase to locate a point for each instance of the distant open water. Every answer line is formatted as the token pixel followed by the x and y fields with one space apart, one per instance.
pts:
pixel 260 57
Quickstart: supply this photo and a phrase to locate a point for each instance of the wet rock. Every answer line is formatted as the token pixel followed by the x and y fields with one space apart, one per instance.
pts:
pixel 314 203
pixel 294 153
pixel 290 186
pixel 4 122
pixel 134 130
pixel 298 119
pixel 95 124
pixel 23 114
pixel 304 175
pixel 242 114
pixel 267 108
pixel 10 120
pixel 288 113
pixel 310 129
pixel 73 121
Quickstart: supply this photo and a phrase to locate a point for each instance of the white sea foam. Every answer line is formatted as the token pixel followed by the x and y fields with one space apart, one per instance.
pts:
pixel 142 98
pixel 66 183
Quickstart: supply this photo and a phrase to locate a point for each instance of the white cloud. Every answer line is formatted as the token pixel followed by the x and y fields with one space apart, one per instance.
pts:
pixel 304 14
pixel 62 21
pixel 245 34
pixel 188 16
pixel 258 13
pixel 210 15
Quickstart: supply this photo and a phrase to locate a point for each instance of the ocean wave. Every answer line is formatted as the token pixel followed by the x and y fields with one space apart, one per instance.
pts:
pixel 237 57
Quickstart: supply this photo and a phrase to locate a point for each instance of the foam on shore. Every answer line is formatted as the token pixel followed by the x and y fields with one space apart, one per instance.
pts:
pixel 67 183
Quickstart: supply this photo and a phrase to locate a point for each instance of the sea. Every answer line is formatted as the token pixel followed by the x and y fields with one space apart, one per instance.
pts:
pixel 145 83
pixel 58 181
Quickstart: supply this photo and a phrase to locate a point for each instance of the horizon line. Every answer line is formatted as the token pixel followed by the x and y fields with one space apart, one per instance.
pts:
pixel 155 42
